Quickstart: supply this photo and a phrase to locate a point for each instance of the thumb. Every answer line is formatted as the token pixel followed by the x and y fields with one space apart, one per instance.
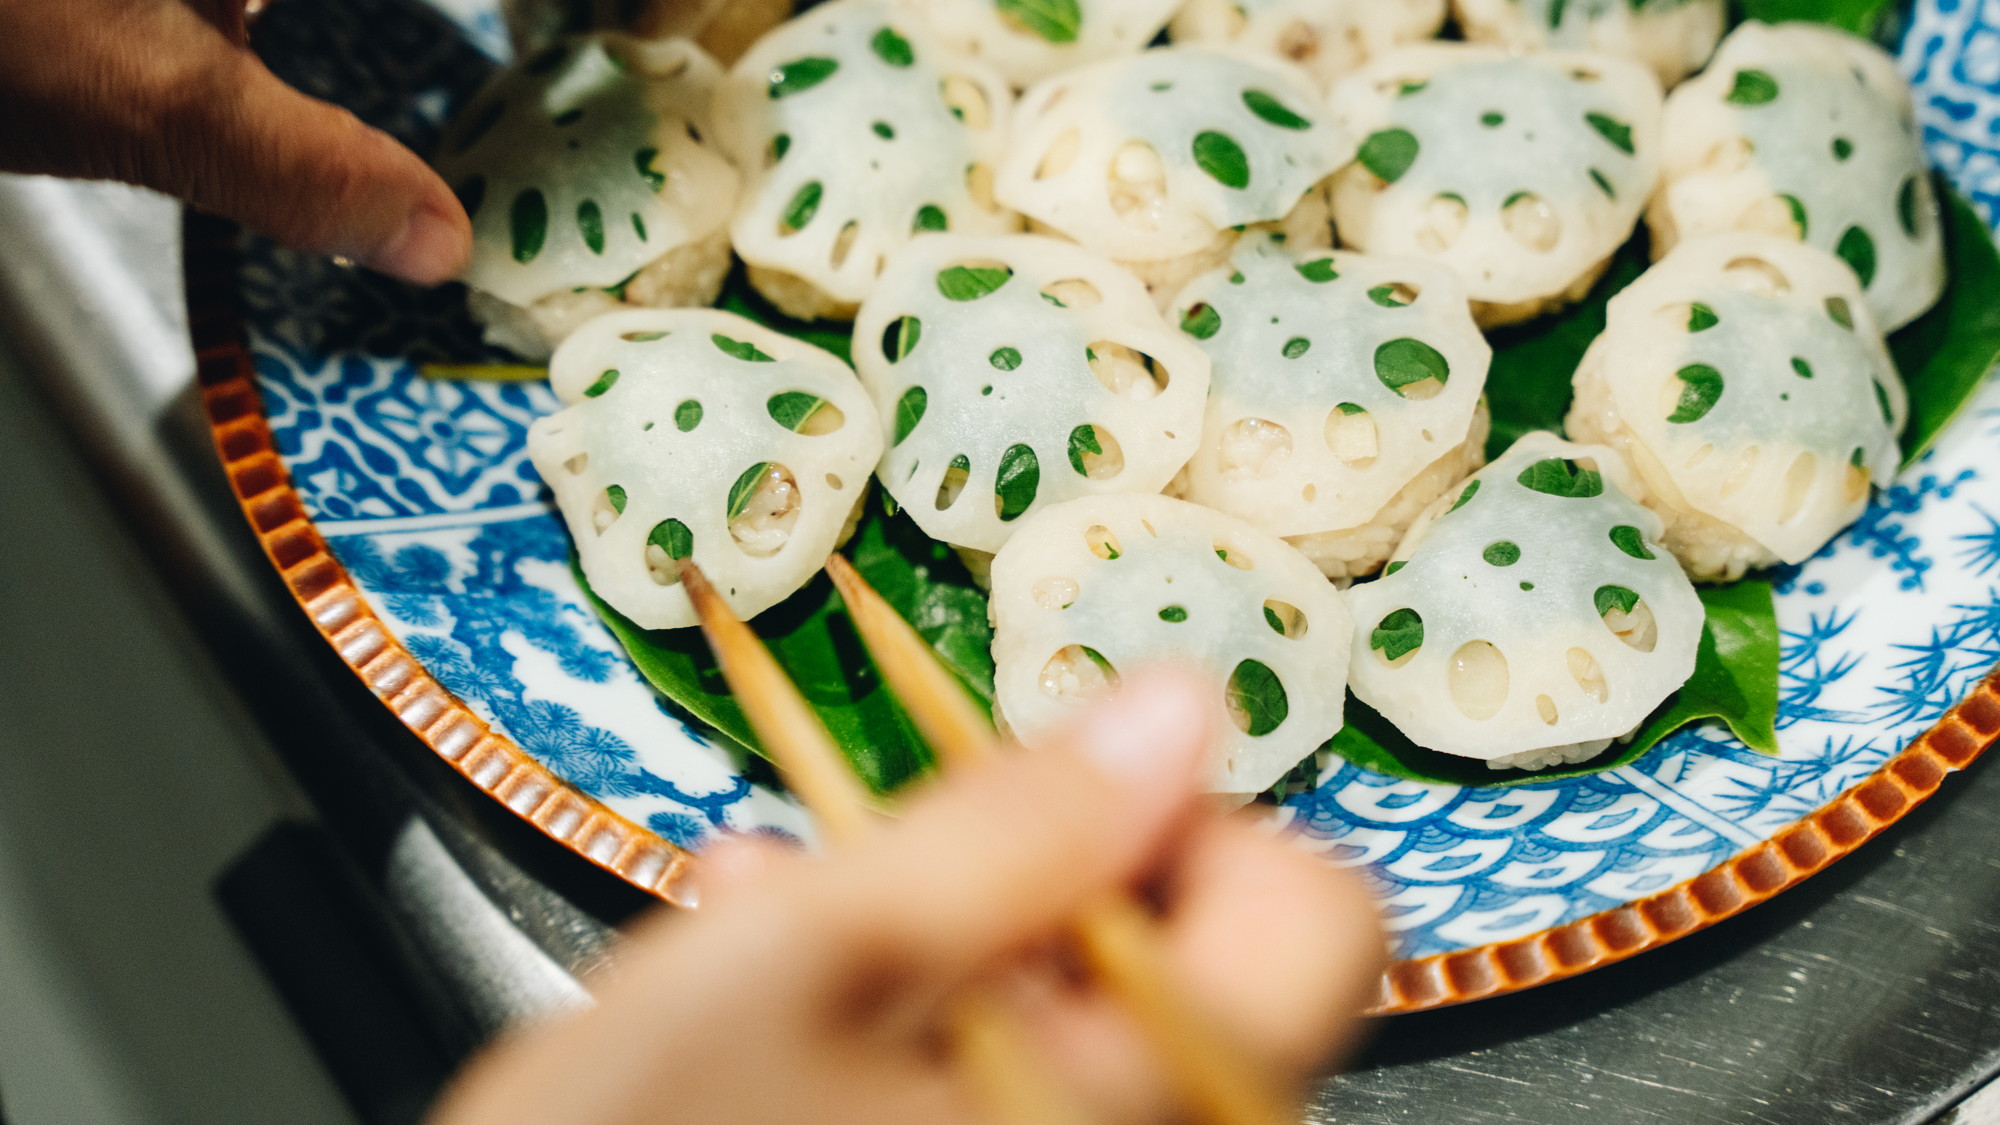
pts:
pixel 250 148
pixel 1002 856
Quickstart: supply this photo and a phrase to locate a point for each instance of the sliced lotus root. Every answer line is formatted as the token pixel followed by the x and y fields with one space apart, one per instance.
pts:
pixel 1673 37
pixel 1326 38
pixel 1153 156
pixel 857 131
pixel 1337 378
pixel 585 163
pixel 1099 588
pixel 723 28
pixel 1016 372
pixel 1743 377
pixel 1538 613
pixel 694 433
pixel 1522 173
pixel 1806 132
pixel 1028 40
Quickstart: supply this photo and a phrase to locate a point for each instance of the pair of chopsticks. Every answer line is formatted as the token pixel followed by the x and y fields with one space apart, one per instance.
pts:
pixel 1118 940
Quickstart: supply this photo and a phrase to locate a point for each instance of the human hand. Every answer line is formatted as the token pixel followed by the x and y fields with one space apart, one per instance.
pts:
pixel 810 990
pixel 165 94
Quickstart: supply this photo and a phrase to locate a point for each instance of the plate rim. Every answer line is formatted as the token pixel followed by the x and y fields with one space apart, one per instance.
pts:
pixel 497 766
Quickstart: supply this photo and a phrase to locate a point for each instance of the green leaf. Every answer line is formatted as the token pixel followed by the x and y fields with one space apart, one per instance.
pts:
pixel 1273 110
pixel 930 217
pixel 1388 296
pixel 800 75
pixel 590 224
pixel 804 205
pixel 1405 362
pixel 892 48
pixel 1619 598
pixel 814 641
pixel 1057 21
pixel 1752 87
pixel 1701 388
pixel 604 383
pixel 1174 614
pixel 1906 206
pixel 615 495
pixel 1603 183
pixel 1735 679
pixel 1945 353
pixel 1319 270
pixel 1613 130
pixel 1556 476
pixel 1005 359
pixel 1801 368
pixel 1272 619
pixel 1222 158
pixel 1399 633
pixel 794 409
pixel 1858 251
pixel 1528 385
pixel 1503 553
pixel 741 349
pixel 909 411
pixel 969 283
pixel 1861 17
pixel 643 161
pixel 1389 154
pixel 1630 540
pixel 1020 477
pixel 1297 346
pixel 528 222
pixel 687 415
pixel 1701 318
pixel 671 536
pixel 1259 695
pixel 1083 440
pixel 1201 321
pixel 1471 490
pixel 745 488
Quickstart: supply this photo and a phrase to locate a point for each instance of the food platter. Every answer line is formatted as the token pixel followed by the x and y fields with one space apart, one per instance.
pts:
pixel 404 515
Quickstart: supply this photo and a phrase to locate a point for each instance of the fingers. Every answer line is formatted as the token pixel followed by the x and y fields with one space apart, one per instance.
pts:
pixel 999 856
pixel 153 93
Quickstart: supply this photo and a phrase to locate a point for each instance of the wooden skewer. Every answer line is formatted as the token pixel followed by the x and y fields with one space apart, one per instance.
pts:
pixel 1119 940
pixel 988 1038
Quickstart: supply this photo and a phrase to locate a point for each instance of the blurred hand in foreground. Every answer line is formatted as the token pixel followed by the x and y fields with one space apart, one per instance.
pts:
pixel 165 94
pixel 811 989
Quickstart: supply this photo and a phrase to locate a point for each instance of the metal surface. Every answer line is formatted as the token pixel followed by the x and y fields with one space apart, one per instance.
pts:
pixel 1869 994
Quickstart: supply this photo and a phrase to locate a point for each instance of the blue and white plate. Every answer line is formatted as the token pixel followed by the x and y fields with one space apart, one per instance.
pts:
pixel 424 493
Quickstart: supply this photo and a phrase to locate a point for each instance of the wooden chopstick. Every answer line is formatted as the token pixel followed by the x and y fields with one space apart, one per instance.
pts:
pixel 1119 940
pixel 988 1038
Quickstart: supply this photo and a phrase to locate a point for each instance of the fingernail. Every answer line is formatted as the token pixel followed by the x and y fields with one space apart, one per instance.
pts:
pixel 430 248
pixel 1154 728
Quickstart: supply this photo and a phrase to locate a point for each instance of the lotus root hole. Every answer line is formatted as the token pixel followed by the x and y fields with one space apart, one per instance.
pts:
pixel 1546 708
pixel 603 513
pixel 1798 485
pixel 1857 481
pixel 1397 294
pixel 1444 220
pixel 1125 372
pixel 1137 183
pixel 1637 629
pixel 764 525
pixel 663 570
pixel 843 244
pixel 1073 293
pixel 825 418
pixel 1232 555
pixel 1757 276
pixel 1769 215
pixel 1108 462
pixel 966 101
pixel 1742 472
pixel 979 185
pixel 577 464
pixel 1061 154
pixel 952 485
pixel 1477 680
pixel 834 482
pixel 1588 676
pixel 1728 156
pixel 1285 619
pixel 1056 593
pixel 1253 449
pixel 1078 673
pixel 1532 222
pixel 1352 436
pixel 1101 542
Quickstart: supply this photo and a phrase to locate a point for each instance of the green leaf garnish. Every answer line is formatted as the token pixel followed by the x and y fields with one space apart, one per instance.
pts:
pixel 1701 318
pixel 1005 359
pixel 643 161
pixel 1752 87
pixel 1405 362
pixel 1201 321
pixel 604 383
pixel 794 409
pixel 930 217
pixel 590 224
pixel 1388 296
pixel 673 537
pixel 1057 21
pixel 1389 154
pixel 741 349
pixel 802 208
pixel 909 411
pixel 687 416
pixel 1503 553
pixel 1619 598
pixel 1222 158
pixel 1861 17
pixel 1630 540
pixel 615 496
pixel 1471 490
pixel 1557 476
pixel 1701 387
pixel 1318 270
pixel 1297 346
pixel 745 488
pixel 969 283
pixel 1273 110
pixel 1174 615
pixel 1857 249
pixel 1020 477
pixel 892 48
pixel 1082 441
pixel 1397 634
pixel 1945 353
pixel 1258 695
pixel 1613 130
pixel 800 75
pixel 528 223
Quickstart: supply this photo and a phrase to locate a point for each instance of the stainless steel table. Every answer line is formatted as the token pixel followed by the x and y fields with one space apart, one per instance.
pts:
pixel 1870 994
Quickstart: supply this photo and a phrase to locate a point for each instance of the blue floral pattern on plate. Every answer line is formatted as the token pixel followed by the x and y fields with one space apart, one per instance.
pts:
pixel 425 493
